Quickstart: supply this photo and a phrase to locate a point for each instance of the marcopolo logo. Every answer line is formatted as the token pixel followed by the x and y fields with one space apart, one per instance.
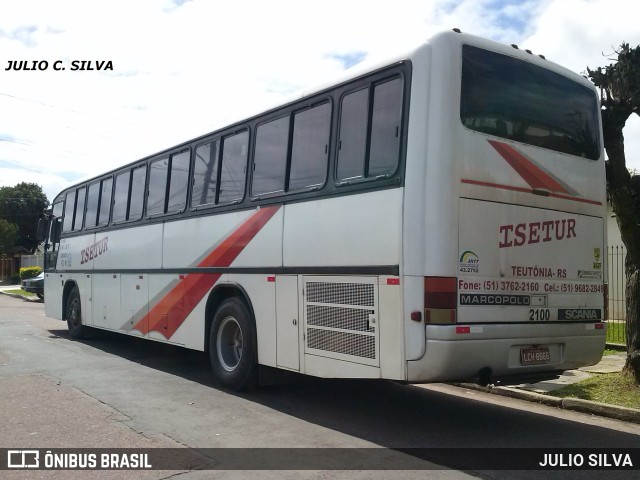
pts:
pixel 469 262
pixel 494 299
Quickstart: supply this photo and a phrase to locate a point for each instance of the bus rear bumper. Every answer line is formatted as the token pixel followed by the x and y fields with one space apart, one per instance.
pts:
pixel 483 352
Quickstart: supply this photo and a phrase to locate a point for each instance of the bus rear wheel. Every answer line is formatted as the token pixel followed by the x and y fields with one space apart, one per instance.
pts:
pixel 232 345
pixel 74 314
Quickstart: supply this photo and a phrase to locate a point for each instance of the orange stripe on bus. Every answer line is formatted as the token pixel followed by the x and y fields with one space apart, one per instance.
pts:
pixel 172 310
pixel 527 190
pixel 527 169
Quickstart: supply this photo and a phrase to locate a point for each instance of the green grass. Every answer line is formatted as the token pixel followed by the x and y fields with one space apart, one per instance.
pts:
pixel 612 388
pixel 19 291
pixel 616 332
pixel 611 351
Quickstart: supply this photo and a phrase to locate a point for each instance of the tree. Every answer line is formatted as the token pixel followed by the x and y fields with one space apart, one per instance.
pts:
pixel 8 236
pixel 21 205
pixel 619 85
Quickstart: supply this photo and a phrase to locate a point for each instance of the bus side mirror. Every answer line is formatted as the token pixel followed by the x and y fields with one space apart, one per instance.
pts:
pixel 56 228
pixel 41 231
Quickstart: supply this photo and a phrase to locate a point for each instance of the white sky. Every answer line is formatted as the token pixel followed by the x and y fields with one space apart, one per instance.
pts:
pixel 183 67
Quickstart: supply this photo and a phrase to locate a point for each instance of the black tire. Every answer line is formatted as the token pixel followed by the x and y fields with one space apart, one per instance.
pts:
pixel 40 296
pixel 233 345
pixel 74 315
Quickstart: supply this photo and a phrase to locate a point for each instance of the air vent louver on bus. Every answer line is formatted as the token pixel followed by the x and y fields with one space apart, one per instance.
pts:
pixel 342 293
pixel 341 318
pixel 341 342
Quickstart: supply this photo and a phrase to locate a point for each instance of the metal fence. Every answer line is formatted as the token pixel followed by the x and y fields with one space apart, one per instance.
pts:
pixel 31 261
pixel 617 282
pixel 6 268
pixel 10 266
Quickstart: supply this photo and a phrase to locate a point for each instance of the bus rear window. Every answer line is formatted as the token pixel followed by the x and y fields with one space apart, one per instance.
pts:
pixel 519 101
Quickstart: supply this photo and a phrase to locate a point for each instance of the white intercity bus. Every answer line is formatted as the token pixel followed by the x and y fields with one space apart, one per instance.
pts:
pixel 437 217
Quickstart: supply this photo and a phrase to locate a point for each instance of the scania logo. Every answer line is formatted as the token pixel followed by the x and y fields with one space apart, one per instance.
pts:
pixel 579 314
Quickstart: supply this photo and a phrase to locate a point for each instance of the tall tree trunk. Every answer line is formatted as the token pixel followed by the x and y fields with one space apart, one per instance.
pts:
pixel 632 327
pixel 624 201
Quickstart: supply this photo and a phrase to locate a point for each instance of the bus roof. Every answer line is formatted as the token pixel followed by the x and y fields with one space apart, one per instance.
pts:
pixel 439 41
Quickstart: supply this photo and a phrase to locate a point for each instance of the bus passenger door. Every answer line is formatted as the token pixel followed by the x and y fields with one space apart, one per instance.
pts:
pixel 86 292
pixel 106 301
pixel 134 292
pixel 287 322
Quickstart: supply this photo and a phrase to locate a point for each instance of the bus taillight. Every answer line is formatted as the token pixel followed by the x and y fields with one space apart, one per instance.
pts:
pixel 606 301
pixel 440 299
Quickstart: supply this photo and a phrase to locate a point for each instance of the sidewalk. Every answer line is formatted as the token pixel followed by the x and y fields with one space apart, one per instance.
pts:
pixel 536 392
pixel 608 364
pixel 4 287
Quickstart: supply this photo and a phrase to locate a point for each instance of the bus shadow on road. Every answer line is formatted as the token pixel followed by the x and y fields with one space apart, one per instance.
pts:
pixel 172 359
pixel 379 412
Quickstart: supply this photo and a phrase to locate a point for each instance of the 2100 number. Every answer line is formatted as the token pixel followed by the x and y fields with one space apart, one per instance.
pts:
pixel 539 315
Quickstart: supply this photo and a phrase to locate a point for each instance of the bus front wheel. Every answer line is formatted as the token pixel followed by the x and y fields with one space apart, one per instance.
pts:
pixel 232 345
pixel 74 314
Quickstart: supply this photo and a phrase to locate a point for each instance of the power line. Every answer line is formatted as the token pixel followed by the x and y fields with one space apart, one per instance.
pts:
pixel 17 165
pixel 78 112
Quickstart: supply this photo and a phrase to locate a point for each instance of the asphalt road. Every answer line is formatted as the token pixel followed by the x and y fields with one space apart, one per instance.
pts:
pixel 115 391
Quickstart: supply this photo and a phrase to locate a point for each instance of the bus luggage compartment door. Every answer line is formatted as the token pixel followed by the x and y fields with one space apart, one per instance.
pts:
pixel 341 318
pixel 287 322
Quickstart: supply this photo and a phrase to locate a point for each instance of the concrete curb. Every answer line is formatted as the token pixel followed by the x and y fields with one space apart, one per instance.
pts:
pixel 631 415
pixel 17 295
pixel 529 396
pixel 602 409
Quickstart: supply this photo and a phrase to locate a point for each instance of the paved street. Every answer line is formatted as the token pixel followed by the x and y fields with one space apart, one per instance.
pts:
pixel 116 391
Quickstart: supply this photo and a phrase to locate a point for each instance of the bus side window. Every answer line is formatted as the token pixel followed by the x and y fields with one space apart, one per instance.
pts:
pixel 168 182
pixel 205 174
pixel 353 134
pixel 158 174
pixel 105 202
pixel 270 159
pixel 178 181
pixel 370 122
pixel 310 149
pixel 234 168
pixel 136 201
pixel 120 196
pixel 93 198
pixel 385 128
pixel 69 209
pixel 74 210
pixel 79 213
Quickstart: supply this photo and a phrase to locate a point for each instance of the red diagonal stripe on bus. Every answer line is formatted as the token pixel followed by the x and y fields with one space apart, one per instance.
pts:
pixel 171 311
pixel 529 171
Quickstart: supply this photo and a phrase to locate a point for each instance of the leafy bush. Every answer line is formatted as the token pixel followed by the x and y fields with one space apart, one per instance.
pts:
pixel 29 272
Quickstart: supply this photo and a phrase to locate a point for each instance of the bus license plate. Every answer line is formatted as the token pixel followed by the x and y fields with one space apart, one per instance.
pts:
pixel 535 356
